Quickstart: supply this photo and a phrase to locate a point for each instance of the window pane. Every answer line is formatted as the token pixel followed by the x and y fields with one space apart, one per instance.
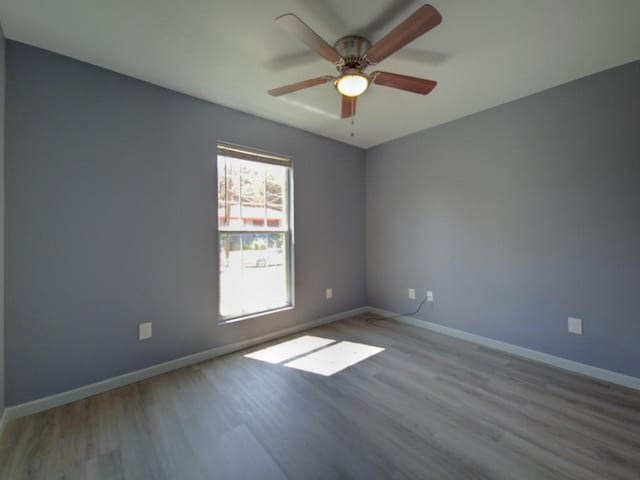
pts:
pixel 252 195
pixel 253 273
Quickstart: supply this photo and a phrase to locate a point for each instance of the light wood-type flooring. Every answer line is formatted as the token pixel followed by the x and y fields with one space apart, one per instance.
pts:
pixel 428 406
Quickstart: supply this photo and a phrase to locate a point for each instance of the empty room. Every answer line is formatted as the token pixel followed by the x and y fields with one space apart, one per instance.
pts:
pixel 305 239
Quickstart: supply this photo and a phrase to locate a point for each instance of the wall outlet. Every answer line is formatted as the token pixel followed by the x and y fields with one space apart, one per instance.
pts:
pixel 574 325
pixel 430 296
pixel 144 331
pixel 412 293
pixel 329 292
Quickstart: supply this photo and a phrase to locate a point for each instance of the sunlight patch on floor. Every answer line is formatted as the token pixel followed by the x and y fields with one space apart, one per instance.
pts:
pixel 319 355
pixel 335 358
pixel 289 349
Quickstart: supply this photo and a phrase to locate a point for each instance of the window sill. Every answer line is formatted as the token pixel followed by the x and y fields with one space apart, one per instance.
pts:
pixel 226 321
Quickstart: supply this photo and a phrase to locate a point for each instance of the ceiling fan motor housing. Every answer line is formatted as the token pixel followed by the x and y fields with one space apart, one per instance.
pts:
pixel 352 48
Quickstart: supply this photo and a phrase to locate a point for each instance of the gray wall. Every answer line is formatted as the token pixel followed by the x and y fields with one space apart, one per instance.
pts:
pixel 2 82
pixel 111 221
pixel 518 217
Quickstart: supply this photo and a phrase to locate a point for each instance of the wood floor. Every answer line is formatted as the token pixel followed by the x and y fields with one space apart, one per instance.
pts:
pixel 428 406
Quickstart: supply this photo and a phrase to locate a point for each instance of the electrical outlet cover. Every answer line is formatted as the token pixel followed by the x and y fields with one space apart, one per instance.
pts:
pixel 412 293
pixel 144 331
pixel 574 325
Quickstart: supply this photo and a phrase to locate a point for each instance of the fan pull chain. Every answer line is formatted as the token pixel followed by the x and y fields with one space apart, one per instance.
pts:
pixel 353 106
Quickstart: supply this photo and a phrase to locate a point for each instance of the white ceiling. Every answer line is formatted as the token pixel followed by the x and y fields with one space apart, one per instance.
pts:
pixel 230 52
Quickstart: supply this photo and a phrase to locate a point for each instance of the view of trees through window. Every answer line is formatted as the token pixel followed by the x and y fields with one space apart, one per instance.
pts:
pixel 254 235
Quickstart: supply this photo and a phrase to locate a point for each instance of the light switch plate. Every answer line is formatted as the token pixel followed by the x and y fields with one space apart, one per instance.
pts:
pixel 144 331
pixel 574 325
pixel 429 296
pixel 329 292
pixel 412 293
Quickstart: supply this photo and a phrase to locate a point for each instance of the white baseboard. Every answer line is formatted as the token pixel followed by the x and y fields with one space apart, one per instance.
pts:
pixel 63 398
pixel 576 367
pixel 79 393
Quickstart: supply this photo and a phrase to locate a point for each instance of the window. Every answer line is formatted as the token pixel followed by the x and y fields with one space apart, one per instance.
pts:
pixel 255 232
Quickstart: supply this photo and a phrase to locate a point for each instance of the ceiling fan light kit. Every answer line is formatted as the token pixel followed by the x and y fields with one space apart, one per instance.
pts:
pixel 352 83
pixel 352 54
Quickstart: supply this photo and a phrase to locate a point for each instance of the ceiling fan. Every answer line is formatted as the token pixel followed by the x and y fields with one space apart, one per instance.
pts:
pixel 353 54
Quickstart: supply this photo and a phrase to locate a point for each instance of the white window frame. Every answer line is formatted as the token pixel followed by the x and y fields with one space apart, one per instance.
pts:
pixel 253 154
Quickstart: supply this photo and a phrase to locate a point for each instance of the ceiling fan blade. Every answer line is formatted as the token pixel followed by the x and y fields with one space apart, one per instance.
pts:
pixel 422 20
pixel 348 106
pixel 303 32
pixel 404 82
pixel 294 87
